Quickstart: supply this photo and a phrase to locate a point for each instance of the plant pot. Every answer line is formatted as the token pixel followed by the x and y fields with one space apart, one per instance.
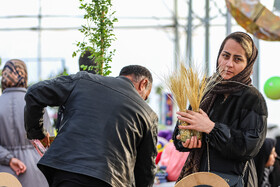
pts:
pixel 187 134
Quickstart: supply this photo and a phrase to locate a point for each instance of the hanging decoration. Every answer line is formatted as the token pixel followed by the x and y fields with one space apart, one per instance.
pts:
pixel 255 18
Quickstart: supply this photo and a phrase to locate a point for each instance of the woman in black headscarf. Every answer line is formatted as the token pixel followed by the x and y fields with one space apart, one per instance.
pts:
pixel 274 177
pixel 233 115
pixel 264 162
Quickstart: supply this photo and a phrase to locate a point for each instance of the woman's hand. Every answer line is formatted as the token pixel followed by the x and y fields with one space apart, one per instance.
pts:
pixel 17 165
pixel 198 121
pixel 191 143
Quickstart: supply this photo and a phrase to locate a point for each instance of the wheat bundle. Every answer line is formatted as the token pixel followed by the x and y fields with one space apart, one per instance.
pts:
pixel 189 85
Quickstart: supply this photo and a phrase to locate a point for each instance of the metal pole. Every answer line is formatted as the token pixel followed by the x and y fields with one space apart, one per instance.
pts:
pixel 189 35
pixel 256 65
pixel 207 36
pixel 39 42
pixel 176 32
pixel 228 16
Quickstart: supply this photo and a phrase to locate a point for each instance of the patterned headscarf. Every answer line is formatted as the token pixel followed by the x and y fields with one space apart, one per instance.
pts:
pixel 234 84
pixel 14 74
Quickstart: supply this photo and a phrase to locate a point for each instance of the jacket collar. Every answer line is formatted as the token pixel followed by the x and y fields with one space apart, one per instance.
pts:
pixel 125 79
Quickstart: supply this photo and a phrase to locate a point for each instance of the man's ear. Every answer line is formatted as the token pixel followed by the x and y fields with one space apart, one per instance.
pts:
pixel 143 84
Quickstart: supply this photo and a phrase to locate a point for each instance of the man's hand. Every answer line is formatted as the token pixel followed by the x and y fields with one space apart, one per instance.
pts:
pixel 17 165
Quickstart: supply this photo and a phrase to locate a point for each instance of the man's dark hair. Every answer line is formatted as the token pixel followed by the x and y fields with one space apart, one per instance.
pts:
pixel 85 62
pixel 137 71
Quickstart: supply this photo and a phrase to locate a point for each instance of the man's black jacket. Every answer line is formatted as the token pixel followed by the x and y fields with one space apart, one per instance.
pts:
pixel 108 131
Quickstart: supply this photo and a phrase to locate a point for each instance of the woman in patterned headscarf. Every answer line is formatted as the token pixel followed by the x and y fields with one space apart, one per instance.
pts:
pixel 14 74
pixel 17 154
pixel 233 116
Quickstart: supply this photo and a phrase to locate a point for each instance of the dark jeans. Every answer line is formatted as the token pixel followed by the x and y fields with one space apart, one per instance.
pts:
pixel 59 178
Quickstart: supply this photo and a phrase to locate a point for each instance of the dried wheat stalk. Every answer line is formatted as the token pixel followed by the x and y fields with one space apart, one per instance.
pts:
pixel 189 84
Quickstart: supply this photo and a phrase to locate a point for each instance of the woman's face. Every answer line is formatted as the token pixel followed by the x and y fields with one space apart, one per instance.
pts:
pixel 232 59
pixel 271 158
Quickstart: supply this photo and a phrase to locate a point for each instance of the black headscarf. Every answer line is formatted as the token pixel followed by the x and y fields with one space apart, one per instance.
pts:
pixel 262 157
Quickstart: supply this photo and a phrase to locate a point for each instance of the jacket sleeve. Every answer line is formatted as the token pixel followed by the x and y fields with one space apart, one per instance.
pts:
pixel 52 92
pixel 5 156
pixel 245 137
pixel 145 167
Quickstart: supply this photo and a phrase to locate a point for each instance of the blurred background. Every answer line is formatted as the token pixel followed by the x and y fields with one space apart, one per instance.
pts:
pixel 157 34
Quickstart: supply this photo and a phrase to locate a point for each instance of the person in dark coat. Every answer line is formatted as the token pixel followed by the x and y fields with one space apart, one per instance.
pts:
pixel 108 134
pixel 264 162
pixel 233 116
pixel 274 177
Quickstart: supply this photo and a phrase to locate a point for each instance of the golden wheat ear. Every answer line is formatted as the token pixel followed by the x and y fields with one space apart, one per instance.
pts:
pixel 175 83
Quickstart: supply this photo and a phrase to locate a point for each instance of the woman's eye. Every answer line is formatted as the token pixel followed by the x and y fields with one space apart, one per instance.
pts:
pixel 225 55
pixel 238 59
